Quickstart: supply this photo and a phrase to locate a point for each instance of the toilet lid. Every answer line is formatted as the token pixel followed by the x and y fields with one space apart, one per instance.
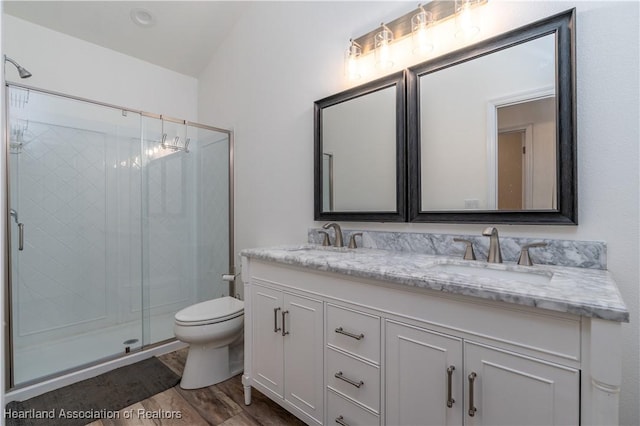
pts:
pixel 211 311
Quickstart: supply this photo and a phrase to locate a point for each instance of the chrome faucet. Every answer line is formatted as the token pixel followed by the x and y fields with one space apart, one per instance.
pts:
pixel 337 231
pixel 494 256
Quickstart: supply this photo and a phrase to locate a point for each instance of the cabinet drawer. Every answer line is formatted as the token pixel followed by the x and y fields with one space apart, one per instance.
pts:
pixel 354 332
pixel 356 379
pixel 341 410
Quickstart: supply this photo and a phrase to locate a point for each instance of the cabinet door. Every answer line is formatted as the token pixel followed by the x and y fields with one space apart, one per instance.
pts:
pixel 266 345
pixel 303 345
pixel 511 389
pixel 417 377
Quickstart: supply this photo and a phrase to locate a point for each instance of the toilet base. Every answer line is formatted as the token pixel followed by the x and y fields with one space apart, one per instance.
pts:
pixel 206 366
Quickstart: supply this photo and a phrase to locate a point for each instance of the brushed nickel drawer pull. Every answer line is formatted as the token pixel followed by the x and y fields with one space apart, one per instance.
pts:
pixel 450 399
pixel 340 376
pixel 472 408
pixel 275 320
pixel 340 421
pixel 284 313
pixel 340 330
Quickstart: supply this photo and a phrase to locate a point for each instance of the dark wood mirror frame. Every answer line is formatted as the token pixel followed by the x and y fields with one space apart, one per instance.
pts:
pixel 400 214
pixel 563 26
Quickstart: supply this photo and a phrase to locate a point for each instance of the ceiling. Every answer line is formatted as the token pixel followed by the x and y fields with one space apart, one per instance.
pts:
pixel 183 37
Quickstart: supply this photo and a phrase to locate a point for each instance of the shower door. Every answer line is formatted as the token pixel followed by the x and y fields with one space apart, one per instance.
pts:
pixel 118 219
pixel 75 226
pixel 186 230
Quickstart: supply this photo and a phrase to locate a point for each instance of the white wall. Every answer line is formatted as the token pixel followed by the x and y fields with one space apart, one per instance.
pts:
pixel 65 64
pixel 264 88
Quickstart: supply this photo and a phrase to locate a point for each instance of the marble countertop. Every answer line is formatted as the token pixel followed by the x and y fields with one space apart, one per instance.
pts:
pixel 580 291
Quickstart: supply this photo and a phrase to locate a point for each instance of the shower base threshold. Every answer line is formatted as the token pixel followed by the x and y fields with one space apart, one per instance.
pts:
pixel 52 358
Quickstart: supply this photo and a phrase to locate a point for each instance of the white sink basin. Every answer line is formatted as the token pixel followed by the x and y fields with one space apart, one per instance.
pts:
pixel 541 277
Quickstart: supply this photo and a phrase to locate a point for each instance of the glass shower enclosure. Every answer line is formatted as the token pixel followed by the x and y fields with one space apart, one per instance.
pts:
pixel 117 220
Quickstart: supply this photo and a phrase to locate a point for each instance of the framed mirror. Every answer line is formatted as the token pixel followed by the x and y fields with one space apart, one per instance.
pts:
pixel 359 153
pixel 492 130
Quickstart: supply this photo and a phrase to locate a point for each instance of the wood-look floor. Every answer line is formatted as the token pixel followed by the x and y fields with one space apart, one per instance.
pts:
pixel 221 404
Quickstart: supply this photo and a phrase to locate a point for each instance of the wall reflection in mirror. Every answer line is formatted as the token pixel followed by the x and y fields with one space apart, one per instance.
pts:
pixel 488 131
pixel 358 139
pixel 359 150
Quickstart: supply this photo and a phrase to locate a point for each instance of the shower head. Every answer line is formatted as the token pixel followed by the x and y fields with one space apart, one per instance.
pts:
pixel 21 71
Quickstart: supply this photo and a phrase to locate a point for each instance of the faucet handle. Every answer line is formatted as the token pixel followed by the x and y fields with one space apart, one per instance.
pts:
pixel 489 231
pixel 352 240
pixel 468 251
pixel 524 258
pixel 325 238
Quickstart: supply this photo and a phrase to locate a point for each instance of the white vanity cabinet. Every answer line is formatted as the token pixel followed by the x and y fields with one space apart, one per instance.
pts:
pixel 373 352
pixel 287 342
pixel 506 388
pixel 424 373
pixel 429 382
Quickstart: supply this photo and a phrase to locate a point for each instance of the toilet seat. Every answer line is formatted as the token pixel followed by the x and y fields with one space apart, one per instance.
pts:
pixel 210 312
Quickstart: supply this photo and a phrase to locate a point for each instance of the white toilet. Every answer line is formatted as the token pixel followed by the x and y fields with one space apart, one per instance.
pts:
pixel 214 332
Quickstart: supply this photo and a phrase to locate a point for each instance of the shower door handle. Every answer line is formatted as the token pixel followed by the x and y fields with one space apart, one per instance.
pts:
pixel 14 215
pixel 21 236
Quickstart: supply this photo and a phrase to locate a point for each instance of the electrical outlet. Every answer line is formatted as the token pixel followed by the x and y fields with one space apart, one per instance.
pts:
pixel 472 203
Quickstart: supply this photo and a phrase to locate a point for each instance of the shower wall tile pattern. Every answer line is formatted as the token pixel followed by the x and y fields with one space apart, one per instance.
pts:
pixel 169 236
pixel 62 203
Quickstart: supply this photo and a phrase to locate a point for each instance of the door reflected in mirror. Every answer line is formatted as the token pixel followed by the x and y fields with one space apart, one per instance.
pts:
pixel 526 156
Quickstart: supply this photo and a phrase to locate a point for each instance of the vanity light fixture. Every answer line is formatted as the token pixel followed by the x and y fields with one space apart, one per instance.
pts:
pixel 352 61
pixel 467 25
pixel 421 31
pixel 419 25
pixel 383 40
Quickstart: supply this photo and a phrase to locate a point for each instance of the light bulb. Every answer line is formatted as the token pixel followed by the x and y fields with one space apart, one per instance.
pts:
pixel 383 40
pixel 466 26
pixel 352 61
pixel 420 32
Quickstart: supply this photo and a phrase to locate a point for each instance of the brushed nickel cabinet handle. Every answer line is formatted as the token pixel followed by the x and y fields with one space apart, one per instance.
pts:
pixel 340 330
pixel 275 320
pixel 352 382
pixel 450 399
pixel 340 421
pixel 472 408
pixel 284 314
